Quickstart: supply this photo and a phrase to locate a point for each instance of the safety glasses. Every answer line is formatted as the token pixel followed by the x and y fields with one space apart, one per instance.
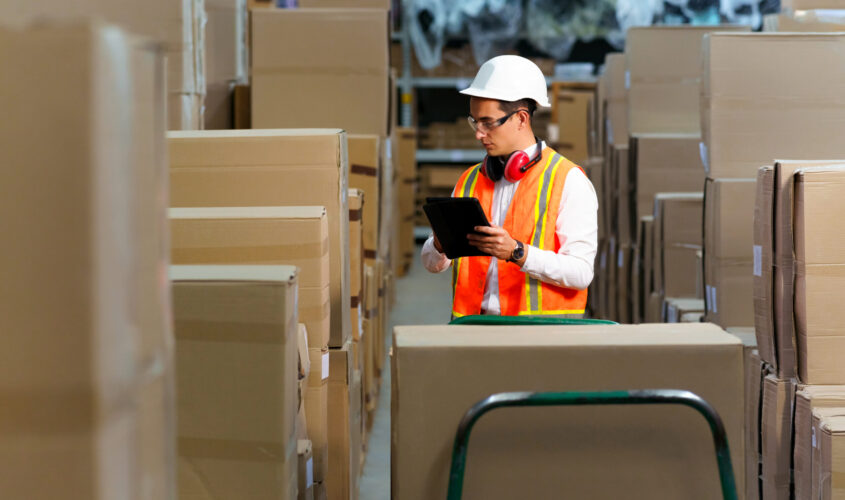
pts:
pixel 488 125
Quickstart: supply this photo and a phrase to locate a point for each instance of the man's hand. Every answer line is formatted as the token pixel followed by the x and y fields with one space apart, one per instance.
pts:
pixel 493 240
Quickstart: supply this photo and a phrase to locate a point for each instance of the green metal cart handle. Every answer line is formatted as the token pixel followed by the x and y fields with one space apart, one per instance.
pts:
pixel 639 397
pixel 534 320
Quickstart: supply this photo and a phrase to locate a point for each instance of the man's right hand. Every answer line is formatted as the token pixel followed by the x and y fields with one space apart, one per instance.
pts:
pixel 437 244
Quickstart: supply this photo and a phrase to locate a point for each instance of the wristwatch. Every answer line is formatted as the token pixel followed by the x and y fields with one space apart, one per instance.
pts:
pixel 518 252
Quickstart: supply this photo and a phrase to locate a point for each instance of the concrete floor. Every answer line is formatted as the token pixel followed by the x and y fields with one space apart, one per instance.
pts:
pixel 421 298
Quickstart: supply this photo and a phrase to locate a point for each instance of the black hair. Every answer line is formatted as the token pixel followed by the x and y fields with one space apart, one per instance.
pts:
pixel 511 106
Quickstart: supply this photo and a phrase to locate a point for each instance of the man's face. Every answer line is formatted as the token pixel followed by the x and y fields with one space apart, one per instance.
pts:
pixel 498 140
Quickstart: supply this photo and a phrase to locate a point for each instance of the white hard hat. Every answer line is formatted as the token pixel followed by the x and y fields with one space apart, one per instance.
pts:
pixel 510 78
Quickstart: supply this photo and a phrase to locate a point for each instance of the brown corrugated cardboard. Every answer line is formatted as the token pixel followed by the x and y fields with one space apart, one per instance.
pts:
pixel 178 25
pixel 776 437
pixel 624 193
pixel 808 398
pixel 819 257
pixel 406 169
pixel 239 168
pixel 616 102
pixel 225 33
pixel 805 21
pixel 72 228
pixel 305 470
pixel 754 372
pixel 677 226
pixel 832 466
pixel 664 76
pixel 236 361
pixel 219 106
pixel 654 308
pixel 316 410
pixel 296 236
pixel 771 95
pixel 819 416
pixel 728 251
pixel 340 480
pixel 365 171
pixel 763 270
pixel 242 112
pixel 675 308
pixel 642 264
pixel 356 259
pixel 672 446
pixel 575 112
pixel 664 163
pixel 784 265
pixel 301 78
pixel 623 284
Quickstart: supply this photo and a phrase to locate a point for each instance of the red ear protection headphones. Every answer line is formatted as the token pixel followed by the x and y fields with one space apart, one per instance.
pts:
pixel 512 167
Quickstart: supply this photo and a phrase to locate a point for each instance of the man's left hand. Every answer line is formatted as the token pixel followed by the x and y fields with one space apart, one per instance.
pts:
pixel 493 240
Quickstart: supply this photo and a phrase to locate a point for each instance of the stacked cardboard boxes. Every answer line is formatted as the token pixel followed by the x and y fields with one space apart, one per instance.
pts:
pixel 88 349
pixel 226 58
pixel 406 192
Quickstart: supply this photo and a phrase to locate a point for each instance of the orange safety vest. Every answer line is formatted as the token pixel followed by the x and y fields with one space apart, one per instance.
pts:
pixel 529 220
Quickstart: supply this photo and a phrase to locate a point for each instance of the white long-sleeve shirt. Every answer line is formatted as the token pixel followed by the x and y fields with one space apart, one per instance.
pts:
pixel 576 228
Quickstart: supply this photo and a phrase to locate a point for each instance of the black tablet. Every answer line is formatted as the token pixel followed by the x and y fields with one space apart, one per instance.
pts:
pixel 452 219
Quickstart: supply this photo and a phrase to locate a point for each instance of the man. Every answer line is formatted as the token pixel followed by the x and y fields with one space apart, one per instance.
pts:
pixel 542 207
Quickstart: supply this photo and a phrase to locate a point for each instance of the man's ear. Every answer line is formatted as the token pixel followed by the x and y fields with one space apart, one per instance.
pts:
pixel 524 118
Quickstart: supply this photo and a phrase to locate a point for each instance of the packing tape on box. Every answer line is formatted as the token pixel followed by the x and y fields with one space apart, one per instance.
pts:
pixel 355 215
pixel 354 301
pixel 236 449
pixel 363 170
pixel 238 332
pixel 257 253
pixel 827 270
pixel 370 254
pixel 61 413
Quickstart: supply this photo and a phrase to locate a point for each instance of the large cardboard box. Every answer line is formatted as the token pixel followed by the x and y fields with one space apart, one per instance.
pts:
pixel 664 78
pixel 657 451
pixel 763 269
pixel 615 100
pixel 820 415
pixel 642 265
pixel 755 371
pixel 406 169
pixel 776 437
pixel 296 236
pixel 178 25
pixel 624 192
pixel 678 235
pixel 818 247
pixel 316 410
pixel 225 33
pixel 301 77
pixel 574 115
pixel 239 168
pixel 728 251
pixel 237 380
pixel 71 229
pixel 771 95
pixel 663 163
pixel 342 479
pixel 807 399
pixel 676 309
pixel 784 263
pixel 365 172
pixel 356 259
pixel 832 431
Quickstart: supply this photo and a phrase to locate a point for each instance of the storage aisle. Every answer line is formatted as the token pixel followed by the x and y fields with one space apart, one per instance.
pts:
pixel 421 298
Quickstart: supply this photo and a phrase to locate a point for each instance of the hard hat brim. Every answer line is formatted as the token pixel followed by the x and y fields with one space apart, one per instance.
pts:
pixel 474 92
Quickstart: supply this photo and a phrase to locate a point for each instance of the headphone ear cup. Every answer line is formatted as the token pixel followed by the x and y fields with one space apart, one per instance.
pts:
pixel 493 168
pixel 513 168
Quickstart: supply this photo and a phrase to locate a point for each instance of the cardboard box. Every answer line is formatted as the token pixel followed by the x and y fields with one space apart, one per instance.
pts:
pixel 476 361
pixel 818 259
pixel 242 111
pixel 316 410
pixel 615 100
pixel 226 36
pixel 624 284
pixel 341 478
pixel 664 78
pixel 301 79
pixel 771 95
pixel 643 255
pixel 365 172
pixel 663 163
pixel 239 168
pixel 776 437
pixel 219 106
pixel 574 110
pixel 625 226
pixel 178 26
pixel 784 264
pixel 356 259
pixel 305 468
pixel 807 399
pixel 755 371
pixel 763 269
pixel 296 236
pixel 654 308
pixel 832 430
pixel 678 231
pixel 70 229
pixel 236 361
pixel 346 4
pixel 820 415
pixel 805 21
pixel 675 308
pixel 728 251
pixel 811 4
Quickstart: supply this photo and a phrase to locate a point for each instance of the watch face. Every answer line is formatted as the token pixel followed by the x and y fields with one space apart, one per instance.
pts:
pixel 518 252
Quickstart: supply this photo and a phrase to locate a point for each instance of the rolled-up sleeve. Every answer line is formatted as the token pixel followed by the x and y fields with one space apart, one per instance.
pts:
pixel 434 261
pixel 577 231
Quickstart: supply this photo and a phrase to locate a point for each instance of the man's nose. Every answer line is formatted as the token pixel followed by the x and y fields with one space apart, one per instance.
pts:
pixel 480 134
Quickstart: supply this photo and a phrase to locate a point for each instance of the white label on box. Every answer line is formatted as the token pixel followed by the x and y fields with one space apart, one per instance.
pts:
pixel 815 445
pixel 456 155
pixel 715 308
pixel 627 80
pixel 671 314
pixel 705 160
pixel 325 366
pixel 707 304
pixel 758 260
pixel 609 127
pixel 309 473
pixel 604 260
pixel 620 259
